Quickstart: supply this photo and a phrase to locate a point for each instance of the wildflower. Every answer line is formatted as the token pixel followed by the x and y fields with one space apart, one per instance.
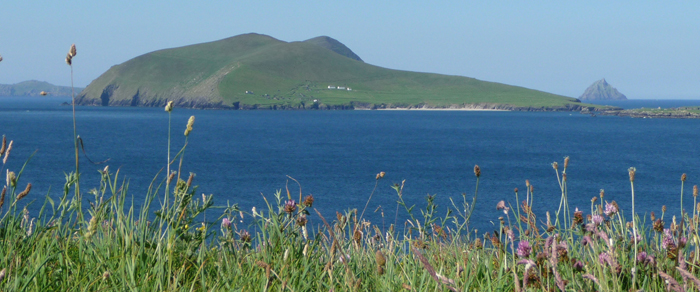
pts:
pixel 309 201
pixel 524 249
pixel 477 171
pixel 586 240
pixel 604 259
pixel 667 243
pixel 641 257
pixel 578 216
pixel 169 106
pixel 501 205
pixel 301 221
pixel 290 206
pixel 597 220
pixel 682 242
pixel 226 223
pixel 658 225
pixel 244 236
pixel 611 208
pixel 578 266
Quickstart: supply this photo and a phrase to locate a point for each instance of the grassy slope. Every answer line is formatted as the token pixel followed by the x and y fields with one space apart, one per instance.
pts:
pixel 291 74
pixel 34 87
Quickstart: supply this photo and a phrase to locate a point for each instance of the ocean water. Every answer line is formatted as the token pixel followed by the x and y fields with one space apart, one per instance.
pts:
pixel 241 156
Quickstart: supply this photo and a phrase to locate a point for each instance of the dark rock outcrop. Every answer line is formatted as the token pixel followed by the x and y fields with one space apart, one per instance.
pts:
pixel 602 90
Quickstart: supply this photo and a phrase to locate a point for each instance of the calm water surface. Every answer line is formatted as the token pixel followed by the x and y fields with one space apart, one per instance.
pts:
pixel 239 156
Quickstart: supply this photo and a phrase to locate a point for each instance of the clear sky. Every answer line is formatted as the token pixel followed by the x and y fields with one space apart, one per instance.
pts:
pixel 646 49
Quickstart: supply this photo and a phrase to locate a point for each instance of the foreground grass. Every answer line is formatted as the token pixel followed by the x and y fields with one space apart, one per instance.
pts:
pixel 171 242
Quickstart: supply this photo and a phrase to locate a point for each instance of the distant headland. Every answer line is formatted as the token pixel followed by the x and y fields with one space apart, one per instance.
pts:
pixel 35 88
pixel 254 71
pixel 602 90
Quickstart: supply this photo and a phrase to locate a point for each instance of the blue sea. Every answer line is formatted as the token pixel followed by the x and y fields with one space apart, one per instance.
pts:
pixel 242 156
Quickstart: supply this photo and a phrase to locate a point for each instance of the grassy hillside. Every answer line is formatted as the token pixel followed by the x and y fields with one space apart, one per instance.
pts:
pixel 257 71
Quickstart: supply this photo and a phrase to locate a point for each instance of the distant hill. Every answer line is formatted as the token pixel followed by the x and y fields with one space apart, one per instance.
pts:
pixel 34 88
pixel 601 90
pixel 254 71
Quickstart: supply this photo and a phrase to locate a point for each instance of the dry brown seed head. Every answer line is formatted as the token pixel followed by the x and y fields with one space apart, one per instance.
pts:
pixel 566 162
pixel 25 192
pixel 2 196
pixel 477 171
pixel 683 177
pixel 555 165
pixel 72 51
pixel 652 216
pixel 593 200
pixel 631 171
pixel 563 176
pixel 695 190
pixel 380 175
pixel 69 60
pixel 663 208
pixel 189 180
pixel 4 145
pixel 309 201
pixel 379 257
pixel 532 188
pixel 527 183
pixel 602 193
pixel 516 190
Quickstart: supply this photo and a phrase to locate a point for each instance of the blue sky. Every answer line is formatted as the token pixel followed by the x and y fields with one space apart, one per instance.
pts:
pixel 645 49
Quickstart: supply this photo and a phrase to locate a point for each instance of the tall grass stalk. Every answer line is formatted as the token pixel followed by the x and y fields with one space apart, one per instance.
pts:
pixel 69 60
pixel 632 172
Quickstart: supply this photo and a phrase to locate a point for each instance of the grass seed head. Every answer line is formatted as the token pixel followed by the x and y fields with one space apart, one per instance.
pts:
pixel 190 122
pixel 695 190
pixel 69 60
pixel 4 145
pixel 631 171
pixel 7 153
pixel 11 179
pixel 379 257
pixel 2 196
pixel 25 192
pixel 308 201
pixel 380 175
pixel 566 162
pixel 477 171
pixel 555 165
pixel 169 106
pixel 72 51
pixel 683 177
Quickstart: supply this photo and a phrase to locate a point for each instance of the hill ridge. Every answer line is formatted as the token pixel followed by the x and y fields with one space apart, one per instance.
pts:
pixel 254 71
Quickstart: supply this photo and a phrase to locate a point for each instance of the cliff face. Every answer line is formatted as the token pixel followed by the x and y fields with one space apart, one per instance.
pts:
pixel 602 90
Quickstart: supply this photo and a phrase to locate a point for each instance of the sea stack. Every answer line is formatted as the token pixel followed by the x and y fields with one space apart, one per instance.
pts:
pixel 602 90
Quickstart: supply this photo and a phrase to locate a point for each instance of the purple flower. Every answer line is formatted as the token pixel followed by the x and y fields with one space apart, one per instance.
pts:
pixel 668 242
pixel 610 209
pixel 524 249
pixel 642 257
pixel 586 240
pixel 604 258
pixel 578 266
pixel 226 223
pixel 682 242
pixel 597 220
pixel 290 206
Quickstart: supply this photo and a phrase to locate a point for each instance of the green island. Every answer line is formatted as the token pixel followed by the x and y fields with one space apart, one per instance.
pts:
pixel 254 71
pixel 690 112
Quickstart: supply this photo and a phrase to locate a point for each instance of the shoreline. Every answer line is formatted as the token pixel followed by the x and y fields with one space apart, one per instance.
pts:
pixel 440 109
